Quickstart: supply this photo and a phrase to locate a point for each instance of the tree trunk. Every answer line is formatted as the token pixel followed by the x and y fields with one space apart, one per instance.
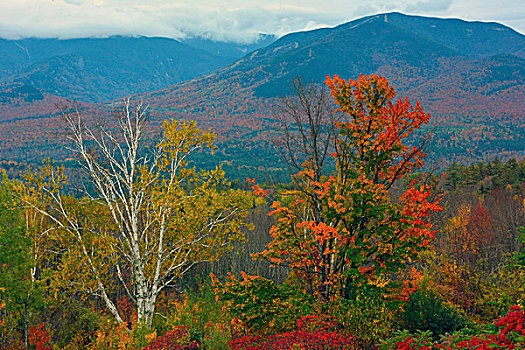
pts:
pixel 145 304
pixel 26 342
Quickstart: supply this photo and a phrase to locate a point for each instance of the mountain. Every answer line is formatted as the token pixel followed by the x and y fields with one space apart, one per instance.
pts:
pixel 372 43
pixel 471 39
pixel 96 70
pixel 470 76
pixel 230 50
pixel 428 58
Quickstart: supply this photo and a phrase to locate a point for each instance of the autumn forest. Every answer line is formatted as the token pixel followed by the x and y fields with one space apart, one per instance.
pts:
pixel 365 248
pixel 354 187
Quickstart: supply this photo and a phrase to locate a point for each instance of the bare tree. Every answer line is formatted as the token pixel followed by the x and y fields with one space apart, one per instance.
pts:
pixel 162 217
pixel 308 136
pixel 308 127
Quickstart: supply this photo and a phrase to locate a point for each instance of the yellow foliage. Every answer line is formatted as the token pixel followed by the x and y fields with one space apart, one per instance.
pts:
pixel 112 336
pixel 151 336
pixel 154 218
pixel 367 318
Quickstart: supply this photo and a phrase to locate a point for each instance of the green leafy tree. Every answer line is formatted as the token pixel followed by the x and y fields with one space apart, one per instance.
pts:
pixel 16 287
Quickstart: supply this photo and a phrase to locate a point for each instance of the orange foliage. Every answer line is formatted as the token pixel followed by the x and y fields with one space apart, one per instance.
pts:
pixel 347 230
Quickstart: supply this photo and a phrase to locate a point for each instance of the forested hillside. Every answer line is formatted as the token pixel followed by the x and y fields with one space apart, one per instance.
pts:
pixel 104 69
pixel 468 75
pixel 363 249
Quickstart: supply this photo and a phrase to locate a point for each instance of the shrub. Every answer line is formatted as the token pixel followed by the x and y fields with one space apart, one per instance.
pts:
pixel 202 316
pixel 260 304
pixel 177 339
pixel 218 336
pixel 406 341
pixel 39 337
pixel 312 333
pixel 112 336
pixel 76 325
pixel 508 332
pixel 425 311
pixel 366 314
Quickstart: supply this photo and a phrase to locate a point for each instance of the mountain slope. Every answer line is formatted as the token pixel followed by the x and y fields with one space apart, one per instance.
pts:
pixel 229 50
pixel 474 92
pixel 371 43
pixel 98 70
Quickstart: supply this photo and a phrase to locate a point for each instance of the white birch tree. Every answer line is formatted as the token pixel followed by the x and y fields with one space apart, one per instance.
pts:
pixel 149 218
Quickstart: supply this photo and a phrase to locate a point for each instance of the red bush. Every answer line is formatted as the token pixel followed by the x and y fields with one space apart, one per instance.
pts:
pixel 39 337
pixel 312 334
pixel 514 321
pixel 177 339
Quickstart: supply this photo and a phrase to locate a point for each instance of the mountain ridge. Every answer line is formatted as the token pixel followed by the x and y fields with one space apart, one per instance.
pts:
pixel 475 94
pixel 103 69
pixel 475 98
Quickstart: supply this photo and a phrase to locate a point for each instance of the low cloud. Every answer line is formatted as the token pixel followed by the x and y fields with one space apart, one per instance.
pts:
pixel 429 6
pixel 226 20
pixel 95 18
pixel 73 2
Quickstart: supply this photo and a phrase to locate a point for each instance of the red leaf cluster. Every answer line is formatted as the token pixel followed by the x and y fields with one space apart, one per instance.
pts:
pixel 312 333
pixel 39 337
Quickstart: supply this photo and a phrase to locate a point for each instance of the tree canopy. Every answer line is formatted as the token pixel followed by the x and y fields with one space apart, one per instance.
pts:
pixel 351 228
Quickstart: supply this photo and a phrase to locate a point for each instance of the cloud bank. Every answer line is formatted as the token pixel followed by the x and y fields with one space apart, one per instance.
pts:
pixel 223 20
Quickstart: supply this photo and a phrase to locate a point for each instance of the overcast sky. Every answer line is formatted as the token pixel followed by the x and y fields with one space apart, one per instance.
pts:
pixel 233 20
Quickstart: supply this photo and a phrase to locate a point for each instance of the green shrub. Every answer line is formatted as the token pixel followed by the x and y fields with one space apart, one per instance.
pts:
pixel 405 340
pixel 218 337
pixel 262 305
pixel 200 313
pixel 366 314
pixel 425 311
pixel 78 326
